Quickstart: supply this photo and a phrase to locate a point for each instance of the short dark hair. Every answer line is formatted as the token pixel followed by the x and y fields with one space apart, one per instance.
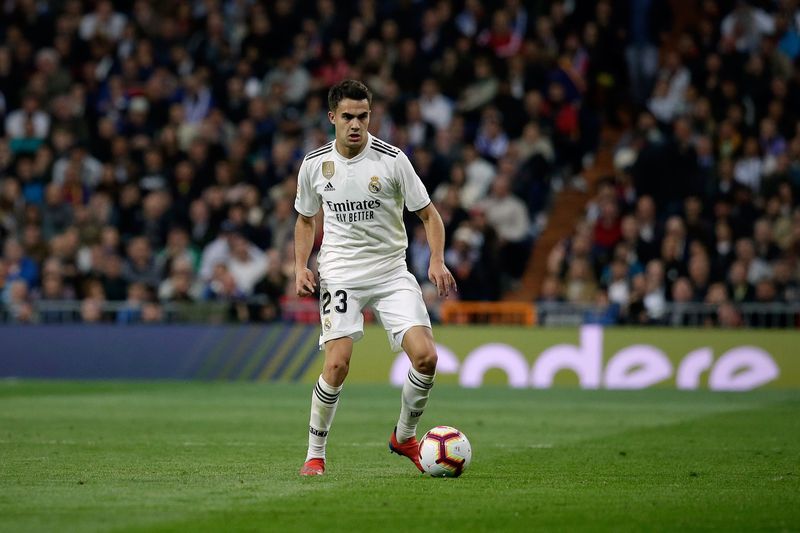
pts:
pixel 352 89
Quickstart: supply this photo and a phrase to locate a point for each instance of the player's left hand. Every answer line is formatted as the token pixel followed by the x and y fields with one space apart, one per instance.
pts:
pixel 442 278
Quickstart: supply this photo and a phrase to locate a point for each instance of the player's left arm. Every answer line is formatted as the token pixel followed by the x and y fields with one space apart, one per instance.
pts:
pixel 438 272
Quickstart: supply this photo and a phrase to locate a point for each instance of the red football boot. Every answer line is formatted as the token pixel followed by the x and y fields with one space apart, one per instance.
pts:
pixel 313 467
pixel 409 448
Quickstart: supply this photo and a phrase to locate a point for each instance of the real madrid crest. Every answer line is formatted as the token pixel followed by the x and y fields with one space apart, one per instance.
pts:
pixel 374 184
pixel 327 169
pixel 327 324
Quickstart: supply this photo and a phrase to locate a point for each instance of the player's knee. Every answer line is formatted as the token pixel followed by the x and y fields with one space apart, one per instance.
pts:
pixel 338 367
pixel 426 360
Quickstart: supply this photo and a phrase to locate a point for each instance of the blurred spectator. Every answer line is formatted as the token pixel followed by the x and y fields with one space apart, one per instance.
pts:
pixel 757 268
pixel 617 283
pixel 131 311
pixel 491 141
pixel 77 168
pixel 180 286
pixel 281 223
pixel 699 272
pixel 482 90
pixel 246 263
pixel 739 288
pixel 745 25
pixel 221 285
pixel 605 312
pixel 178 248
pixel 29 121
pixel 18 265
pixel 655 296
pixel 478 173
pixel 91 311
pixel 647 23
pixel 219 251
pixel 435 108
pixel 509 217
pixel 463 259
pixel 273 285
pixel 114 284
pixel 607 229
pixel 152 313
pixel 580 283
pixel 551 291
pixel 728 316
pixel 103 21
pixel 289 78
pixel 140 265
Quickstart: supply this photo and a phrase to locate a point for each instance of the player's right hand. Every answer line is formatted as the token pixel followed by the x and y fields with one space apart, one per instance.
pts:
pixel 305 283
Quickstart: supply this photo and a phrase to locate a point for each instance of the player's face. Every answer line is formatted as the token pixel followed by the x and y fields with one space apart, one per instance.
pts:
pixel 351 120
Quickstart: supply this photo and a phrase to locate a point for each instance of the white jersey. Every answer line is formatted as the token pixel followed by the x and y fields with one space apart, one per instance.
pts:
pixel 362 201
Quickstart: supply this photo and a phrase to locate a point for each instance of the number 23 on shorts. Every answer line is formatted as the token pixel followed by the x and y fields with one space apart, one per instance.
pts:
pixel 337 302
pixel 341 302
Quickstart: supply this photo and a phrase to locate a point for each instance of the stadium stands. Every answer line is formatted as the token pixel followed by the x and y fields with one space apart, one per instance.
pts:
pixel 149 151
pixel 699 222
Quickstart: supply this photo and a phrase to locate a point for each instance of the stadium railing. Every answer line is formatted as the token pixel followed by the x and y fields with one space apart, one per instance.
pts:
pixel 461 312
pixel 760 315
pixel 306 311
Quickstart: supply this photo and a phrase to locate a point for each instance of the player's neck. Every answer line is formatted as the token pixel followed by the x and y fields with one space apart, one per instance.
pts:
pixel 351 152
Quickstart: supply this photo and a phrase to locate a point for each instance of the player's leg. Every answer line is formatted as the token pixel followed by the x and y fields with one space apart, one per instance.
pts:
pixel 403 314
pixel 342 324
pixel 325 397
pixel 419 345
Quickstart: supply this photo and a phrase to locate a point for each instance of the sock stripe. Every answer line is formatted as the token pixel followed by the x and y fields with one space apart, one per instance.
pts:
pixel 415 381
pixel 327 402
pixel 324 397
pixel 327 394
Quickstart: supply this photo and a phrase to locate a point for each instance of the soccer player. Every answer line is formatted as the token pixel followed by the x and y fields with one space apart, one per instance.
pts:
pixel 361 184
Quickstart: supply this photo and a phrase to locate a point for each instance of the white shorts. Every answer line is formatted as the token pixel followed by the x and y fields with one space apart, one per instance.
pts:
pixel 397 303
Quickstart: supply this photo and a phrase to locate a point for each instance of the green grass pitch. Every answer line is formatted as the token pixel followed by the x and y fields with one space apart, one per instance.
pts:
pixel 225 456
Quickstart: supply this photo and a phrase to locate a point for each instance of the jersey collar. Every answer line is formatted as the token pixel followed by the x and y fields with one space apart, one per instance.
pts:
pixel 357 158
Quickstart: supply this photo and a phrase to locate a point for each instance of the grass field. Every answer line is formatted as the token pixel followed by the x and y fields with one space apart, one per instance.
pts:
pixel 224 457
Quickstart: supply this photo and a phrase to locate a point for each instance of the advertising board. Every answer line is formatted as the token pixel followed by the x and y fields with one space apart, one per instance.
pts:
pixel 590 357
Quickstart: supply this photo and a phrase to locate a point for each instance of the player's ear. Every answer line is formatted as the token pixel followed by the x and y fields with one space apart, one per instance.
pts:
pixel 331 117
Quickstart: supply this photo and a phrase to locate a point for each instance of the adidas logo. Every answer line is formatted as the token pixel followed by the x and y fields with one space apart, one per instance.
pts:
pixel 329 187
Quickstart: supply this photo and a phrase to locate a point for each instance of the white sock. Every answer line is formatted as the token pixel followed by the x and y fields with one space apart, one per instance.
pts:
pixel 416 389
pixel 324 400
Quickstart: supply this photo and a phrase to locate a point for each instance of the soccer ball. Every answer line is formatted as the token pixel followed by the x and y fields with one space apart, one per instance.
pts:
pixel 444 452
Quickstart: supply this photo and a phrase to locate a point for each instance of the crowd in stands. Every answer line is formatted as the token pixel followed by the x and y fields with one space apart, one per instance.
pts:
pixel 702 207
pixel 149 151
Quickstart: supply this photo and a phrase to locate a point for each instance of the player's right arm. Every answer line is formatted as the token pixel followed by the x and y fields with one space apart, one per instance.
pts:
pixel 307 204
pixel 304 231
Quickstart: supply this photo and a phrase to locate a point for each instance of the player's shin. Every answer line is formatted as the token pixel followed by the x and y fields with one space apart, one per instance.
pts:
pixel 416 389
pixel 324 400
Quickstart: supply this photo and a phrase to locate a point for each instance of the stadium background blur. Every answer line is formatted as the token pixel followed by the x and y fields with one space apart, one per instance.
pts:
pixel 149 152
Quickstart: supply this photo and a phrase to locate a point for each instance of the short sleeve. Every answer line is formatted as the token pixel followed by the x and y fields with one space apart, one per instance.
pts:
pixel 307 200
pixel 414 193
